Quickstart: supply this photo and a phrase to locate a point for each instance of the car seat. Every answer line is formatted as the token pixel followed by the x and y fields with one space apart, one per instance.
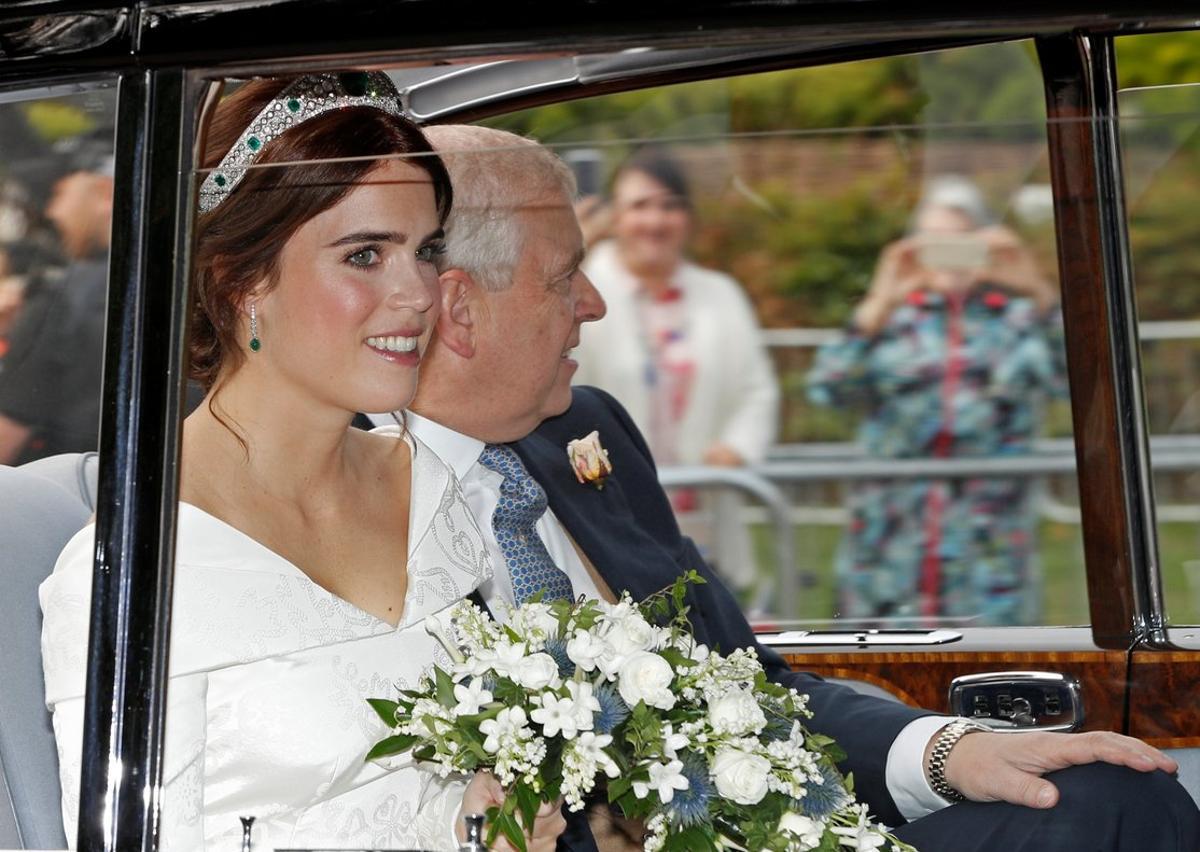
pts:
pixel 37 519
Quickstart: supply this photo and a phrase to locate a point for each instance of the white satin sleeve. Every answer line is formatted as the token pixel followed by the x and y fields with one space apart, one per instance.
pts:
pixel 438 813
pixel 65 598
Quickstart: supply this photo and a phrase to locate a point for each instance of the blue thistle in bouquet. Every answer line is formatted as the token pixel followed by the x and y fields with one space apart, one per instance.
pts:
pixel 584 699
pixel 612 709
pixel 826 797
pixel 557 649
pixel 690 806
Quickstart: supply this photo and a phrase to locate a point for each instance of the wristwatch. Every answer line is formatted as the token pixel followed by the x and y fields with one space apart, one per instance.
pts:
pixel 945 741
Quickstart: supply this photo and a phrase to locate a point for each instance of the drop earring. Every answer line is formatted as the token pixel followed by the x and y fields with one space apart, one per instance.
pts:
pixel 255 343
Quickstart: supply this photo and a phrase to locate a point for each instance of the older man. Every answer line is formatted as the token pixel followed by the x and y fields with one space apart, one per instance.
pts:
pixel 495 401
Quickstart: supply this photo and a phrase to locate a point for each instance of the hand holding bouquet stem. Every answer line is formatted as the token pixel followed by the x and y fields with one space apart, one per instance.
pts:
pixel 486 794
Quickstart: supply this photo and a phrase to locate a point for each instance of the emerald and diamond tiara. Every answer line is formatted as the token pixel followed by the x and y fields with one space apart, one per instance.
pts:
pixel 305 98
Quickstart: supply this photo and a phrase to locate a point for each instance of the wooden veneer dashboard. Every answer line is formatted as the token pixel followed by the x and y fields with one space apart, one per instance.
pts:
pixel 1163 687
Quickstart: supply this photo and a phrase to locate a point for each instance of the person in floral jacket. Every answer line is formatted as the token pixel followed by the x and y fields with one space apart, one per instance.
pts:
pixel 950 355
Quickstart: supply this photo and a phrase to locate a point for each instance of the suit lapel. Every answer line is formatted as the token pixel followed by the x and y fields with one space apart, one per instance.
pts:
pixel 600 520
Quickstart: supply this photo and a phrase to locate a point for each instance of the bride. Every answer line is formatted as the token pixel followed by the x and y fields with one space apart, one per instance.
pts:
pixel 309 553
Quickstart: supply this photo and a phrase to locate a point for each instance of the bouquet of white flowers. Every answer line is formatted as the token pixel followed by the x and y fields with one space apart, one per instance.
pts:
pixel 703 748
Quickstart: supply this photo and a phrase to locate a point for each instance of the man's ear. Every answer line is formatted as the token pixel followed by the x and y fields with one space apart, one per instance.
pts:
pixel 460 307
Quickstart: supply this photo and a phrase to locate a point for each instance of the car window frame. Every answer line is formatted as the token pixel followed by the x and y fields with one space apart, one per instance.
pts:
pixel 164 54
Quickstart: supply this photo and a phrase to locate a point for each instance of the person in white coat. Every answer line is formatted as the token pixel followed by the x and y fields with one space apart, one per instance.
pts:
pixel 681 348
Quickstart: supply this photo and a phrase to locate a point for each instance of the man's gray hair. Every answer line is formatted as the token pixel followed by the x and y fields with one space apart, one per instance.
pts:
pixel 495 175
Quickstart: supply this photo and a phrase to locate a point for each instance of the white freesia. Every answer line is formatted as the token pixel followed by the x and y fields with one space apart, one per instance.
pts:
pixel 439 629
pixel 673 742
pixel 558 715
pixel 591 746
pixel 861 837
pixel 587 705
pixel 470 697
pixel 808 832
pixel 610 662
pixel 736 712
pixel 508 726
pixel 585 649
pixel 740 776
pixel 506 658
pixel 646 677
pixel 665 779
pixel 536 671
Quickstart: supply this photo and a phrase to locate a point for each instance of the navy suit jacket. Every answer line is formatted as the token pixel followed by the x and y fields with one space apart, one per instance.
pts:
pixel 628 531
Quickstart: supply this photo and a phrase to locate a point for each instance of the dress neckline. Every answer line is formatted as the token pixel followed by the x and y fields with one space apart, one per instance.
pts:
pixel 297 571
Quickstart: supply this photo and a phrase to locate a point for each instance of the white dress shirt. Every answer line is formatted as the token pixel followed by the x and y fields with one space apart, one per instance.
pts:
pixel 905 771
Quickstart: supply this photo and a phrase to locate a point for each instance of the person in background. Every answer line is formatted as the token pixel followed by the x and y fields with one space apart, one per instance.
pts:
pixel 50 376
pixel 680 347
pixel 949 356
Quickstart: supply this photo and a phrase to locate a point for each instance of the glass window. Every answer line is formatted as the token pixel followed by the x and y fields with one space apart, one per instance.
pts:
pixel 1160 136
pixel 56 189
pixel 833 311
pixel 56 173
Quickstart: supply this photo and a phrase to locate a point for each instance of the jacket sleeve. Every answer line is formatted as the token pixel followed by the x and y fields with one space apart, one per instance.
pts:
pixel 864 726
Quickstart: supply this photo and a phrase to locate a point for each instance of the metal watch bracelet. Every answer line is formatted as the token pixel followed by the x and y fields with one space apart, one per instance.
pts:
pixel 946 740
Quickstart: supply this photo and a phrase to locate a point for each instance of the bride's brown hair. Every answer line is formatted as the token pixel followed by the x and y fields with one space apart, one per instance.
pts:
pixel 238 242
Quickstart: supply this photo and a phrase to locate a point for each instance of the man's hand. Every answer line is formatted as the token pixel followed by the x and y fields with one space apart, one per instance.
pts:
pixel 987 767
pixel 485 790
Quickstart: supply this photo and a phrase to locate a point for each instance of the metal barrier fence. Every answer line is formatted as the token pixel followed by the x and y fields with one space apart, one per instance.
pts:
pixel 797 464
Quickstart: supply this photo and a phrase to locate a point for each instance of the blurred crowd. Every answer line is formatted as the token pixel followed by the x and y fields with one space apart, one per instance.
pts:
pixel 55 223
pixel 949 355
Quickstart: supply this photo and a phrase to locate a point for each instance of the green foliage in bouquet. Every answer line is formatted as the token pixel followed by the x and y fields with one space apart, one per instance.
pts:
pixel 567 697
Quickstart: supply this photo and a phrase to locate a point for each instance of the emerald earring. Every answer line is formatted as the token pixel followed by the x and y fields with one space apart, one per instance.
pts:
pixel 255 343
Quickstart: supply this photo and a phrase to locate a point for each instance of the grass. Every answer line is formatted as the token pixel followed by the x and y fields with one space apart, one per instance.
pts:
pixel 1060 555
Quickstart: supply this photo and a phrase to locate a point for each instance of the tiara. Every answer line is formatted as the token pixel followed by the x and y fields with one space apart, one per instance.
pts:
pixel 305 98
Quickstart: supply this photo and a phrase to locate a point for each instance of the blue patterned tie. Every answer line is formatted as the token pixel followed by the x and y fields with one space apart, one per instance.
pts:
pixel 522 503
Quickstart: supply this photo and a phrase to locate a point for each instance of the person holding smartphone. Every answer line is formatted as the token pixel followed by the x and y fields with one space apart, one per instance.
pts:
pixel 949 355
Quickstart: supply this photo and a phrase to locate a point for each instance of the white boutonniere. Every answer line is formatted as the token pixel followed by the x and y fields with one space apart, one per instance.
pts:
pixel 589 460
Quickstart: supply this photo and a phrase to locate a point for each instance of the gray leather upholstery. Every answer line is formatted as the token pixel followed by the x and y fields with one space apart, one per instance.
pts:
pixel 37 519
pixel 76 472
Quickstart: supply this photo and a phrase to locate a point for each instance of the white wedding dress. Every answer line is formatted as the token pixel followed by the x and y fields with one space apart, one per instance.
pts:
pixel 266 712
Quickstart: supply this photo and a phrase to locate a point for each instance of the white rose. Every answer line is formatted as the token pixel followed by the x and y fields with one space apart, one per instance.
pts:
pixel 736 712
pixel 537 671
pixel 632 633
pixel 646 677
pixel 740 776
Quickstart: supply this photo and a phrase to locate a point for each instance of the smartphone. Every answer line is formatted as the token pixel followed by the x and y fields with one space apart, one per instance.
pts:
pixel 961 252
pixel 587 164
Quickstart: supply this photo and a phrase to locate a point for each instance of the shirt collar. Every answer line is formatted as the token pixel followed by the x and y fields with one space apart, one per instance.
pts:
pixel 459 451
